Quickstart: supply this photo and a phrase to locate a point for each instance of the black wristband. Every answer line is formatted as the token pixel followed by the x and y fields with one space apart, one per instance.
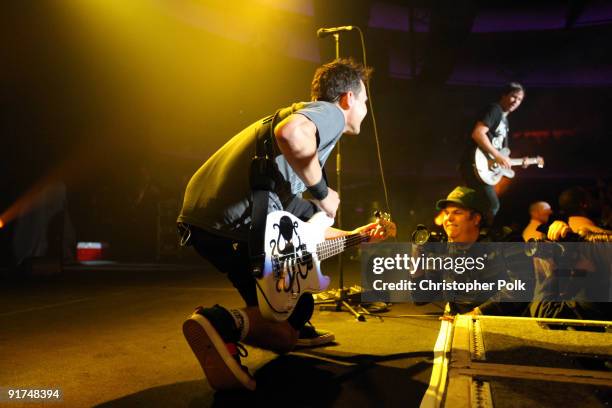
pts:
pixel 319 191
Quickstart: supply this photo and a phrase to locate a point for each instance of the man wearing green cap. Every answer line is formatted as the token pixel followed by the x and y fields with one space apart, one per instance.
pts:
pixel 464 211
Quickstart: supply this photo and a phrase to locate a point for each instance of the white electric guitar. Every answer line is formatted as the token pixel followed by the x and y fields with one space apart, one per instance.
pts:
pixel 294 250
pixel 490 172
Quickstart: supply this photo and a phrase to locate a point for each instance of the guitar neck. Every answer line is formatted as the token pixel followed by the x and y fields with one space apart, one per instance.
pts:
pixel 519 162
pixel 332 247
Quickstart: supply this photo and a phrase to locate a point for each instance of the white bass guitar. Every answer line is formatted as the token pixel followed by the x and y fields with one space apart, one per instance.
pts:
pixel 293 253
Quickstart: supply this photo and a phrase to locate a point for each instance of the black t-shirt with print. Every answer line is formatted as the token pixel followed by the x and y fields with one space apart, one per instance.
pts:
pixel 494 118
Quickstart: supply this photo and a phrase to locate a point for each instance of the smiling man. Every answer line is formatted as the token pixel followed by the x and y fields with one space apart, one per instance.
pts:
pixel 463 212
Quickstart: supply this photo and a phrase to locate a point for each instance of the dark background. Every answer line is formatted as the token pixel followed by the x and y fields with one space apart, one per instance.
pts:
pixel 121 101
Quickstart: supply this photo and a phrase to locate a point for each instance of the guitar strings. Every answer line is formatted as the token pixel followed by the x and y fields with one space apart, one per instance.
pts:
pixel 335 246
pixel 342 241
pixel 325 250
pixel 332 247
pixel 339 243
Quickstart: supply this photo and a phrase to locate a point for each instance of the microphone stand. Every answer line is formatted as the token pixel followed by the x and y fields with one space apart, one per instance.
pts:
pixel 342 298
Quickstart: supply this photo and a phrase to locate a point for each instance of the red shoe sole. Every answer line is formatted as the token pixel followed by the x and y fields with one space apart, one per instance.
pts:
pixel 221 369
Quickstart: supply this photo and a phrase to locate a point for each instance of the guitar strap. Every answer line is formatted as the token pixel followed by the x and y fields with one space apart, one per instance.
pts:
pixel 262 182
pixel 506 139
pixel 501 119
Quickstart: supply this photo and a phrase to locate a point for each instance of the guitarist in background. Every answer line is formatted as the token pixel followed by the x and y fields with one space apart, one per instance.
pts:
pixel 491 134
pixel 216 217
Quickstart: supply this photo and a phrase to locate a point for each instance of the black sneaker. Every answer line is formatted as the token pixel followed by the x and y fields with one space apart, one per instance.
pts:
pixel 311 337
pixel 213 338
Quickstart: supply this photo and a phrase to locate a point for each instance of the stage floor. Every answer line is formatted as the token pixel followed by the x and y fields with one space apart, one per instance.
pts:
pixel 111 336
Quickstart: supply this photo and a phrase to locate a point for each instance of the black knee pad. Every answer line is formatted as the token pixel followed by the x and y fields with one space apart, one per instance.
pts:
pixel 302 312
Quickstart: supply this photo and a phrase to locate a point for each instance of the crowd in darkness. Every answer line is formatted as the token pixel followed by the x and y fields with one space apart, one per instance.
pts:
pixel 569 268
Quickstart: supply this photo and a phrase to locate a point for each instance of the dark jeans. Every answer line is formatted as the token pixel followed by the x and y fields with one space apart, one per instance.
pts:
pixel 471 180
pixel 228 256
pixel 232 257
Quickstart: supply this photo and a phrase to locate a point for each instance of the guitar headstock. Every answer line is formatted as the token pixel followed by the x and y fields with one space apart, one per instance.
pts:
pixel 381 215
pixel 388 229
pixel 540 161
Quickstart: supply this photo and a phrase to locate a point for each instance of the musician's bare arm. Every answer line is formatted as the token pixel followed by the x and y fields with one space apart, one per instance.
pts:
pixel 479 134
pixel 297 141
pixel 374 230
pixel 332 233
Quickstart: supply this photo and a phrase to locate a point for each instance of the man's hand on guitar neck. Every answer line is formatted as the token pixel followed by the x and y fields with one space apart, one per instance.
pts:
pixel 525 162
pixel 376 231
pixel 373 230
pixel 369 229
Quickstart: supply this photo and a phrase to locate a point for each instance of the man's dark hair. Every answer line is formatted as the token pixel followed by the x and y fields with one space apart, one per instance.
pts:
pixel 512 87
pixel 336 78
pixel 475 212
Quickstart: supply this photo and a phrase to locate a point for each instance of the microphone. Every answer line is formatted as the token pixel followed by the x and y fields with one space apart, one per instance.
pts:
pixel 324 32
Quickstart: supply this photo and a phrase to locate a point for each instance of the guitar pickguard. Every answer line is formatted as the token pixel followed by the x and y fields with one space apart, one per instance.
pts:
pixel 291 261
pixel 291 267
